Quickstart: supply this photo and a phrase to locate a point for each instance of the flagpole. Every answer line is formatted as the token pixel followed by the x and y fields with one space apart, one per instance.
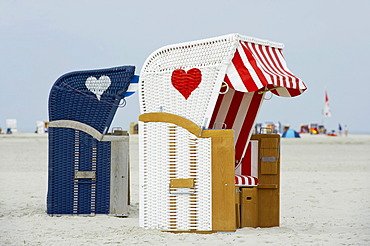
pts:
pixel 323 109
pixel 326 111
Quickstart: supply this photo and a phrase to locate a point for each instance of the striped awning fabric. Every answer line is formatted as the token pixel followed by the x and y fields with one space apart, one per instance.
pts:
pixel 243 180
pixel 256 66
pixel 238 111
pixel 249 166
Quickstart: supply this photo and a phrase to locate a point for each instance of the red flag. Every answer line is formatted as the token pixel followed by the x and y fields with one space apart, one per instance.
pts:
pixel 327 112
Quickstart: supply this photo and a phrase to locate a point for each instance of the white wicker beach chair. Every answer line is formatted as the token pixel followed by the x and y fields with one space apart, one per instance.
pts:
pixel 199 101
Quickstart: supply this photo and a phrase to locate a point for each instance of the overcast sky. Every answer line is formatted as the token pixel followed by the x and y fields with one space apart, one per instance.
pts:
pixel 327 45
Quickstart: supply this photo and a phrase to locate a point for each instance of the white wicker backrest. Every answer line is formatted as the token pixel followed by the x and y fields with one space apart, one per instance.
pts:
pixel 210 56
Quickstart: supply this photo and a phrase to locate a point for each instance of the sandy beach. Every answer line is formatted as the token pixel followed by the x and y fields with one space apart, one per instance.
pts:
pixel 325 199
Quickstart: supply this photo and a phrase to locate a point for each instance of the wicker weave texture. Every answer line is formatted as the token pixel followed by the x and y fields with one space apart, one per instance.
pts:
pixel 67 195
pixel 71 99
pixel 157 90
pixel 92 98
pixel 170 152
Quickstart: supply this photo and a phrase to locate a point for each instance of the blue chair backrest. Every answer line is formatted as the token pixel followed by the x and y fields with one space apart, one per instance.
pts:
pixel 90 97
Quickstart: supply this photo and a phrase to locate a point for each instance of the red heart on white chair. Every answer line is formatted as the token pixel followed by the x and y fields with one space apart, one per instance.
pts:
pixel 186 82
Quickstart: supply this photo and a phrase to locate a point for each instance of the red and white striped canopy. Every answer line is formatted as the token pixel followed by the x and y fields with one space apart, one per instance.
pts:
pixel 256 66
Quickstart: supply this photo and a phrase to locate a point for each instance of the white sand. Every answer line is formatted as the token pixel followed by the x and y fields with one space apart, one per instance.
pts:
pixel 325 200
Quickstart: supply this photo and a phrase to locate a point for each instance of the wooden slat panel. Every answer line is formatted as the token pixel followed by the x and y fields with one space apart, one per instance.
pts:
pixel 269 168
pixel 249 207
pixel 269 152
pixel 119 177
pixel 268 207
pixel 269 143
pixel 223 188
pixel 269 180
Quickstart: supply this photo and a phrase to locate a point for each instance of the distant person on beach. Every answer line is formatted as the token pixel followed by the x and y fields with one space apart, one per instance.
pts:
pixel 340 130
pixel 345 130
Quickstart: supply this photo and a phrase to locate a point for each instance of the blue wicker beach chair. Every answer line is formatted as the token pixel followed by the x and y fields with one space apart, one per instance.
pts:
pixel 81 108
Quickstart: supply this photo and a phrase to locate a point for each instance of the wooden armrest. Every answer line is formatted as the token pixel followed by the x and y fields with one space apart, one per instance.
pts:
pixel 186 124
pixel 267 186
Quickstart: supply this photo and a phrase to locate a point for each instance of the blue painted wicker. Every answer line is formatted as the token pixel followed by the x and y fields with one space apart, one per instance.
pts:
pixel 73 150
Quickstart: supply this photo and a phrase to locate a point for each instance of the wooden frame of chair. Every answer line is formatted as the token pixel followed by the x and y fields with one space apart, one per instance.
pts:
pixel 260 205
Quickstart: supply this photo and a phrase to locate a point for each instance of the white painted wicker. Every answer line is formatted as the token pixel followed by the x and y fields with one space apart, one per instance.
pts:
pixel 169 152
pixel 210 56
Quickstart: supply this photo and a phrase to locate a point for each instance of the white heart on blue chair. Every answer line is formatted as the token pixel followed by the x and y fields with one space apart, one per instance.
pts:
pixel 98 86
